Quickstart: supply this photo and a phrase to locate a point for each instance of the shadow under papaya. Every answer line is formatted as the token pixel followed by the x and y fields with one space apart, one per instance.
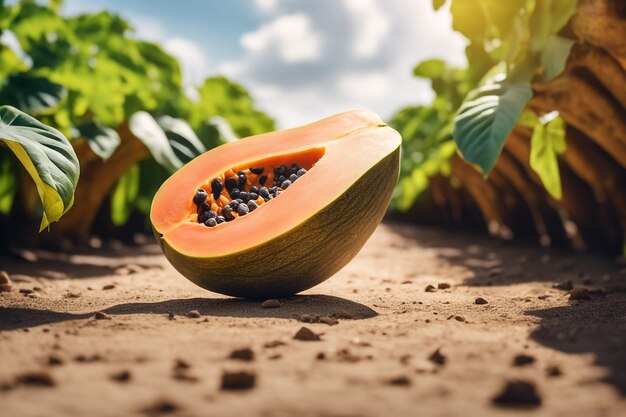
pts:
pixel 13 318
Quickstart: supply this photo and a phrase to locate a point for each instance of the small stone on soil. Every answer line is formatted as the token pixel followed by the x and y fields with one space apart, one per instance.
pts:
pixel 307 335
pixel 565 286
pixel 274 344
pixel 271 303
pixel 480 301
pixel 181 364
pixel 100 315
pixel 328 320
pixel 443 285
pixel 580 294
pixel 242 380
pixel 437 357
pixel 54 360
pixel 554 371
pixel 162 406
pixel 518 394
pixel 194 314
pixel 121 376
pixel 430 288
pixel 108 287
pixel 400 381
pixel 523 360
pixel 39 379
pixel 245 354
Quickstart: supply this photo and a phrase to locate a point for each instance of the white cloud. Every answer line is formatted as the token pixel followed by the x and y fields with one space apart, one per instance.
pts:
pixel 310 59
pixel 192 58
pixel 370 25
pixel 290 35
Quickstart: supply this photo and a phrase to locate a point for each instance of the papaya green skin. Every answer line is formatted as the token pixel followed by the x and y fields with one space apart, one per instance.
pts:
pixel 306 255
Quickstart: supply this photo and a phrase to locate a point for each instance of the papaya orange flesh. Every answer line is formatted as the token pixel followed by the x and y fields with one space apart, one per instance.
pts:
pixel 302 236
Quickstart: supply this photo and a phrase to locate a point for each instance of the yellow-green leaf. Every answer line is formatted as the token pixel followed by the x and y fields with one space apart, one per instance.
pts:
pixel 547 142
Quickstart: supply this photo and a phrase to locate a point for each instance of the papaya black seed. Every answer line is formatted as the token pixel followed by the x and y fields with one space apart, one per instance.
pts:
pixel 263 180
pixel 252 205
pixel 216 188
pixel 200 197
pixel 234 194
pixel 254 190
pixel 220 219
pixel 211 222
pixel 257 171
pixel 241 180
pixel 293 178
pixel 285 185
pixel 243 209
pixel 230 184
pixel 202 217
pixel 227 212
pixel 239 200
pixel 234 204
pixel 253 196
pixel 211 214
pixel 264 192
pixel 204 207
pixel 301 172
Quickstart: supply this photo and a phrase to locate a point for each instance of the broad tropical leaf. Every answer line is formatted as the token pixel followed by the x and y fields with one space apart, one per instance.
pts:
pixel 486 118
pixel 554 56
pixel 102 139
pixel 183 139
pixel 47 156
pixel 147 130
pixel 31 94
pixel 547 142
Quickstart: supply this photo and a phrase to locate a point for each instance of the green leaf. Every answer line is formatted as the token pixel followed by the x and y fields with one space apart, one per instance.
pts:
pixel 549 17
pixel 430 68
pixel 487 117
pixel 124 196
pixel 147 130
pixel 102 139
pixel 547 142
pixel 8 185
pixel 438 4
pixel 31 94
pixel 47 156
pixel 183 139
pixel 554 56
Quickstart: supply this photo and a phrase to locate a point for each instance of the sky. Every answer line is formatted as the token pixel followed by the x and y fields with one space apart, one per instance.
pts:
pixel 301 60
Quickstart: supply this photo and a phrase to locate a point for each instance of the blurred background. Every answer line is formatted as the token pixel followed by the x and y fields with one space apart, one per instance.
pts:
pixel 512 113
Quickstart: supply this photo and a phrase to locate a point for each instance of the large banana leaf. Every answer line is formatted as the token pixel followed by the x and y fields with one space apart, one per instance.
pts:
pixel 47 156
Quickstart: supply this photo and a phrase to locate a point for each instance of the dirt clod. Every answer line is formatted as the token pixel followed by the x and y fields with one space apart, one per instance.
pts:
pixel 162 406
pixel 399 381
pixel 443 286
pixel 328 320
pixel 437 357
pixel 480 301
pixel 430 288
pixel 307 335
pixel 194 314
pixel 271 303
pixel 564 286
pixel 108 287
pixel 101 315
pixel 580 294
pixel 518 394
pixel 241 380
pixel 274 344
pixel 245 354
pixel 554 371
pixel 121 376
pixel 55 360
pixel 522 360
pixel 38 379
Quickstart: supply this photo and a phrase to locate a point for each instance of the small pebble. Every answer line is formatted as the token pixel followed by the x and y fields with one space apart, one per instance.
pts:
pixel 242 380
pixel 430 288
pixel 480 301
pixel 108 287
pixel 306 318
pixel 39 379
pixel 245 354
pixel 443 285
pixel 194 314
pixel 399 381
pixel 121 376
pixel 271 303
pixel 580 294
pixel 518 394
pixel 437 357
pixel 523 360
pixel 307 335
pixel 100 315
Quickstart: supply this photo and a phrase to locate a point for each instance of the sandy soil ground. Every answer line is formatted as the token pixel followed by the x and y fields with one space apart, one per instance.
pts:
pixel 560 353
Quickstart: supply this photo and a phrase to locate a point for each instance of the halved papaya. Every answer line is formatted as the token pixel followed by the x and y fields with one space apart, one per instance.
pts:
pixel 313 195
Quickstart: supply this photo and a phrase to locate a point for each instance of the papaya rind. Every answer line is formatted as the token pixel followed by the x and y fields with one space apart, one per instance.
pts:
pixel 304 256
